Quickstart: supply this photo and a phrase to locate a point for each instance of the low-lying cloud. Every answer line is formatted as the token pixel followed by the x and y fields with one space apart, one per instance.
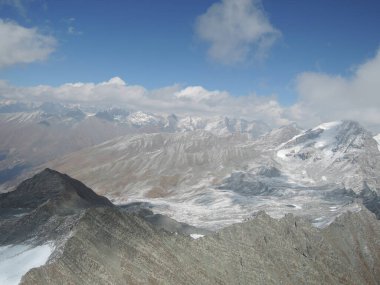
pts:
pixel 190 100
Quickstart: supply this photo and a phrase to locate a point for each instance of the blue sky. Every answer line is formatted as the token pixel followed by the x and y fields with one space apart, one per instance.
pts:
pixel 160 43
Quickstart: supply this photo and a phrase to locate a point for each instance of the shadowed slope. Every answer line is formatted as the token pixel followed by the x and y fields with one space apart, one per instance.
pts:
pixel 54 186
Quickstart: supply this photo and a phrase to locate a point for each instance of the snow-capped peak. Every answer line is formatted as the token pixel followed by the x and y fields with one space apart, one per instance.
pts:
pixel 377 139
pixel 328 136
pixel 328 152
pixel 140 118
pixel 328 125
pixel 332 135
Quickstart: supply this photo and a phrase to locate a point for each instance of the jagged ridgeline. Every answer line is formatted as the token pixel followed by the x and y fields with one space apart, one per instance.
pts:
pixel 33 134
pixel 91 241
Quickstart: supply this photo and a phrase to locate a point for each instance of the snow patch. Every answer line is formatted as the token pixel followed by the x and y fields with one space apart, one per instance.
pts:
pixel 377 138
pixel 140 118
pixel 328 126
pixel 196 236
pixel 16 260
pixel 323 142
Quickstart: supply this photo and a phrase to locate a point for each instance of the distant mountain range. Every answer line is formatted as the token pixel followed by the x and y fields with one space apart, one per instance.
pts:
pixel 45 112
pixel 33 134
pixel 208 172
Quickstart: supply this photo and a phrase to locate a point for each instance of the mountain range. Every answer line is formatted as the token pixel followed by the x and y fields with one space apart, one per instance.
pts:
pixel 33 134
pixel 167 199
pixel 212 181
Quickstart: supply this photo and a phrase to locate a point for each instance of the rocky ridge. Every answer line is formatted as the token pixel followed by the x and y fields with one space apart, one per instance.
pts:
pixel 44 207
pixel 126 249
pixel 94 242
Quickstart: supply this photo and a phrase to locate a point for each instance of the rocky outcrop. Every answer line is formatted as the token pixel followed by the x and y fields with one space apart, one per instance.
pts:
pixel 109 246
pixel 44 207
pixel 54 186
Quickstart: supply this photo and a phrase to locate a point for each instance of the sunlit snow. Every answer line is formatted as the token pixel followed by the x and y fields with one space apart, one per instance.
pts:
pixel 196 236
pixel 377 138
pixel 328 125
pixel 325 138
pixel 16 260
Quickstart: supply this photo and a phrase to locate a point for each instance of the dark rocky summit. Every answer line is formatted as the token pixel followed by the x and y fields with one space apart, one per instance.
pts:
pixel 50 185
pixel 44 207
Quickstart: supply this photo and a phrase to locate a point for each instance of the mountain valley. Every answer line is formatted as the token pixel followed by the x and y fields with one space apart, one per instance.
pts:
pixel 185 200
pixel 211 181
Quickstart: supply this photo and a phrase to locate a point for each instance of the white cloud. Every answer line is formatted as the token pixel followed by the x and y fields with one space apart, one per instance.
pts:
pixel 235 30
pixel 331 97
pixel 191 100
pixel 114 91
pixel 199 94
pixel 23 45
pixel 322 98
pixel 115 81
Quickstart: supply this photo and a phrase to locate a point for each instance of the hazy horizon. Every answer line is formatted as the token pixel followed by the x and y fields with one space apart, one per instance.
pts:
pixel 306 62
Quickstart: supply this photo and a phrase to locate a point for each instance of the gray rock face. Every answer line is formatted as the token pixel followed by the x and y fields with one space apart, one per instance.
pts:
pixel 278 136
pixel 371 200
pixel 111 247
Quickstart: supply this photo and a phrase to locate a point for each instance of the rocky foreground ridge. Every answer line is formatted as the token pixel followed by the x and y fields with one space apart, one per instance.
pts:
pixel 98 243
pixel 109 247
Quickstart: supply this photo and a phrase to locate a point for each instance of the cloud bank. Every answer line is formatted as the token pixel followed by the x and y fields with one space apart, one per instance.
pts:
pixel 332 97
pixel 321 97
pixel 23 45
pixel 190 100
pixel 236 30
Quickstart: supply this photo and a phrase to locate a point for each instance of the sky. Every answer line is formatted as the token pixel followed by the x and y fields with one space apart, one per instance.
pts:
pixel 280 61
